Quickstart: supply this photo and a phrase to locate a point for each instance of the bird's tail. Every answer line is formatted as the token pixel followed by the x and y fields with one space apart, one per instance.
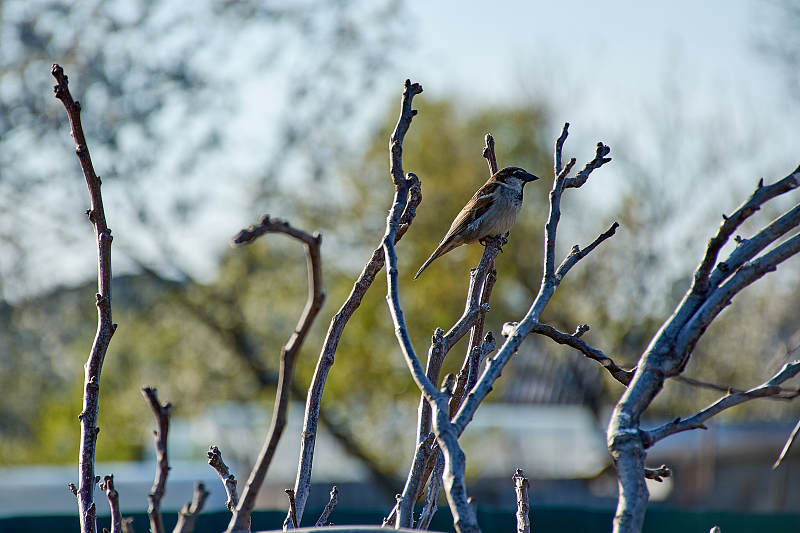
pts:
pixel 436 253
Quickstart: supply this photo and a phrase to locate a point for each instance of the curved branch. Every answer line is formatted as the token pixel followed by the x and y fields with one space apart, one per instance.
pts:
pixel 620 374
pixel 240 520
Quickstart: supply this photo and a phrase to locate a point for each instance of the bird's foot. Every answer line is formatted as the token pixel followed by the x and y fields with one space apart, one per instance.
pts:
pixel 497 240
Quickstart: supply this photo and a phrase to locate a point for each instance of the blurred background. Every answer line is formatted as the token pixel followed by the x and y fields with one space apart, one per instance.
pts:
pixel 201 117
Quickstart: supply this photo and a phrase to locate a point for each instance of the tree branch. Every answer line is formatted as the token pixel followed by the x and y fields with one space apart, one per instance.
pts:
pixel 789 442
pixel 240 519
pixel 517 332
pixel 761 195
pixel 329 507
pixel 696 421
pixel 302 485
pixel 162 414
pixel 188 514
pixel 620 374
pixel 105 325
pixel 489 155
pixel 107 486
pixel 225 475
pixel 521 486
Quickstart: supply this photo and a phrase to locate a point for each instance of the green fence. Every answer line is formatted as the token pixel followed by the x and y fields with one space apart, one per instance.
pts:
pixel 544 520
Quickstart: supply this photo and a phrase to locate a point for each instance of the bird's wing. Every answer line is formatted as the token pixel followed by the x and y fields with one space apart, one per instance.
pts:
pixel 475 208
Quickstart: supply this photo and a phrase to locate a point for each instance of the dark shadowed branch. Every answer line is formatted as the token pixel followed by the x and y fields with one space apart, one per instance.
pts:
pixel 162 414
pixel 333 499
pixel 240 520
pixel 105 325
pixel 107 486
pixel 190 511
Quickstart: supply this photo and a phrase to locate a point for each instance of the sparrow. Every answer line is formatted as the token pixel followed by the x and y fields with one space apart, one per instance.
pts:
pixel 491 211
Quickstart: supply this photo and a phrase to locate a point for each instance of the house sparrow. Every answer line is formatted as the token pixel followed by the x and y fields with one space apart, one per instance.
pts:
pixel 491 211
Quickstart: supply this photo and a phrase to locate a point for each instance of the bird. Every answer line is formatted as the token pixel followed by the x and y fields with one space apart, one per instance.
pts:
pixel 491 211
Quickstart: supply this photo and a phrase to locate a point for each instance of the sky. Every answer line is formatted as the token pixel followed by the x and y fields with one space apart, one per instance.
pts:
pixel 603 66
pixel 655 81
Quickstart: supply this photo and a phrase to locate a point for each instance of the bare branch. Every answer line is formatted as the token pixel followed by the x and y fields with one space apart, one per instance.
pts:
pixel 292 508
pixel 225 475
pixel 127 525
pixel 162 414
pixel 479 291
pixel 785 393
pixel 669 350
pixel 721 297
pixel 768 388
pixel 240 520
pixel 558 150
pixel 577 254
pixel 620 374
pixel 521 486
pixel 414 481
pixel 107 486
pixel 789 442
pixel 730 223
pixel 599 160
pixel 429 509
pixel 105 324
pixel 329 507
pixel 488 153
pixel 518 331
pixel 410 90
pixel 657 474
pixel 190 511
pixel 345 312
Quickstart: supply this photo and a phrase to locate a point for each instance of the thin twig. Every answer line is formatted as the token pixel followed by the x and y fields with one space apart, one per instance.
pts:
pixel 429 509
pixel 225 475
pixel 329 507
pixel 292 507
pixel 162 414
pixel 240 519
pixel 105 325
pixel 521 486
pixel 127 525
pixel 488 153
pixel 327 354
pixel 188 514
pixel 768 388
pixel 789 442
pixel 622 375
pixel 107 486
pixel 658 474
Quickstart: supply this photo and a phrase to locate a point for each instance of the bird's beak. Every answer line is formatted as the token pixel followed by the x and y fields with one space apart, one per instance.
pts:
pixel 530 177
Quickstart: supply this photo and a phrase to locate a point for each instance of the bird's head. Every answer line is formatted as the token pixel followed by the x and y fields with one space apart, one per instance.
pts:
pixel 515 177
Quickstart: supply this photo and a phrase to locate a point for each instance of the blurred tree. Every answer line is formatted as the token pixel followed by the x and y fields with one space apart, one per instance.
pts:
pixel 177 95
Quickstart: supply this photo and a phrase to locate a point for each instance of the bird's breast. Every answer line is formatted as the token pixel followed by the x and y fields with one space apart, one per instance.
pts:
pixel 501 217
